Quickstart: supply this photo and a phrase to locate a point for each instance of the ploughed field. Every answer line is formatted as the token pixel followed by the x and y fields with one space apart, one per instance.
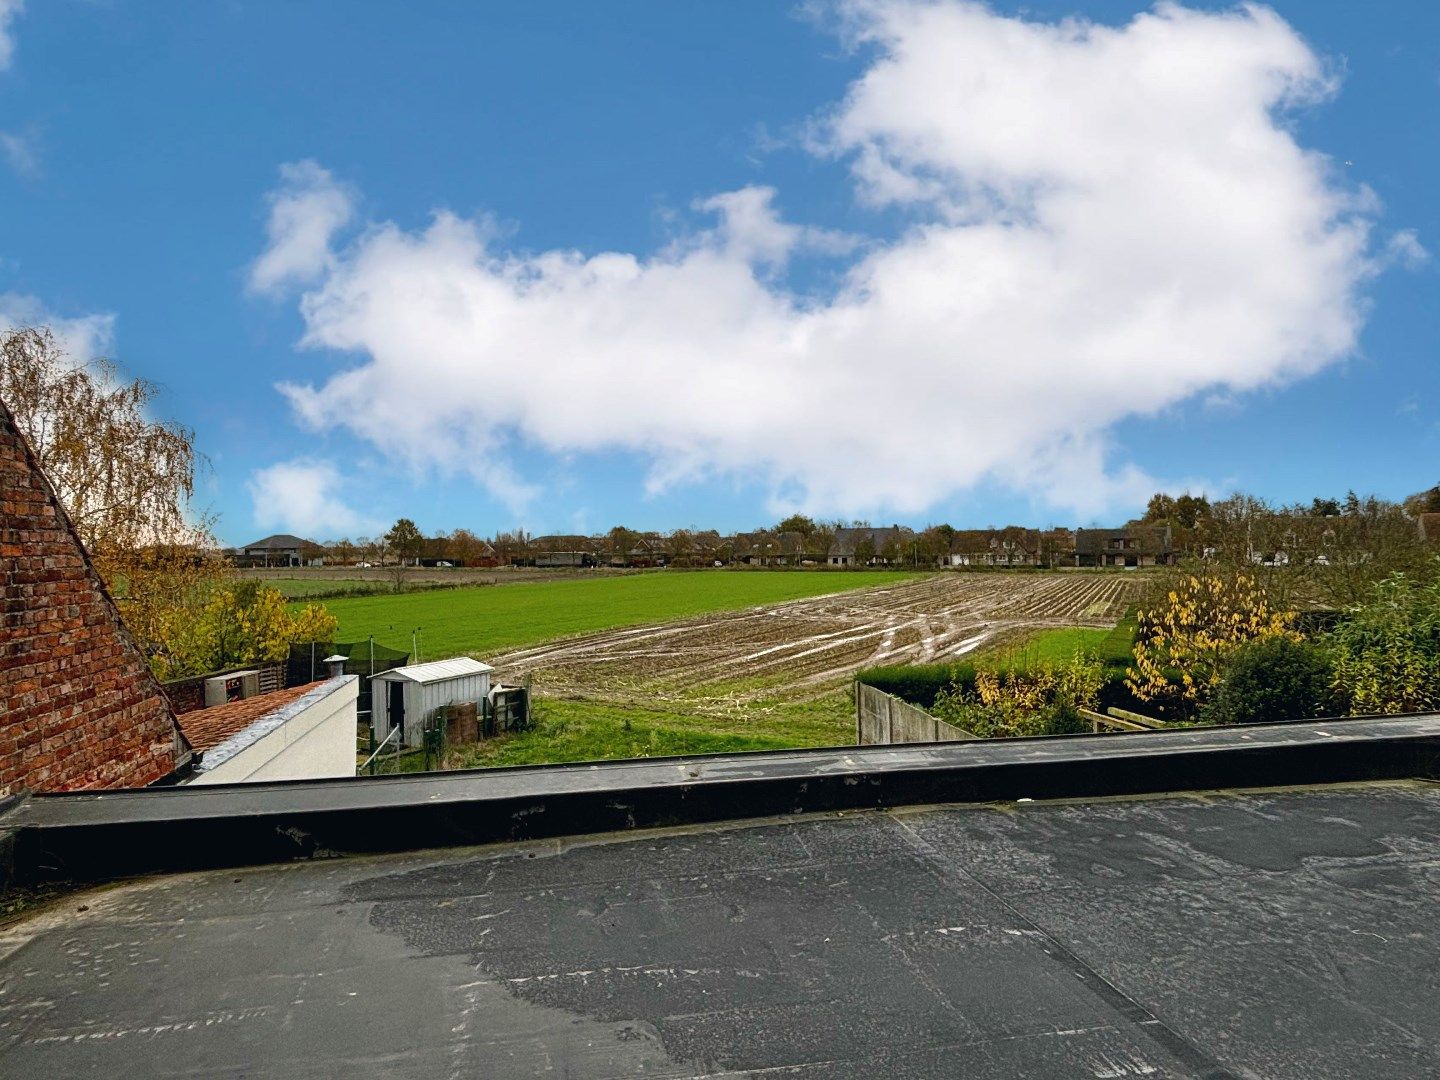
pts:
pixel 800 648
pixel 777 675
pixel 713 661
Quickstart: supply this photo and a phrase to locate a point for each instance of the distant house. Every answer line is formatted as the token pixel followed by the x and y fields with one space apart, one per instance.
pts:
pixel 693 548
pixel 559 559
pixel 765 548
pixel 561 551
pixel 1133 545
pixel 869 546
pixel 1057 547
pixel 1011 546
pixel 279 550
pixel 445 551
pixel 487 556
pixel 649 551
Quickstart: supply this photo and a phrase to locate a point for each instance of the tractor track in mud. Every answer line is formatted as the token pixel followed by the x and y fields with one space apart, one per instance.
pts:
pixel 805 649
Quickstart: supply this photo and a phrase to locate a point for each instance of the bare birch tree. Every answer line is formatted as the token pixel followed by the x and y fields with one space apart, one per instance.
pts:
pixel 125 479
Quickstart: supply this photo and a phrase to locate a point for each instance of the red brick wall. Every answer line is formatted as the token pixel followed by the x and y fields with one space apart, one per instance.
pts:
pixel 78 705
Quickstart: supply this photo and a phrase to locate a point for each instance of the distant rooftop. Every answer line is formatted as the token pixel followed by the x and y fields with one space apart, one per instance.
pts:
pixel 278 542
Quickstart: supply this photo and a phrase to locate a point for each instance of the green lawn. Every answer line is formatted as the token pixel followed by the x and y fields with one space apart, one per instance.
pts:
pixel 488 619
pixel 1112 647
pixel 567 730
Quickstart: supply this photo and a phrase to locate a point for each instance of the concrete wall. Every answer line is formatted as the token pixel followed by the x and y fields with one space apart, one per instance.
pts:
pixel 311 738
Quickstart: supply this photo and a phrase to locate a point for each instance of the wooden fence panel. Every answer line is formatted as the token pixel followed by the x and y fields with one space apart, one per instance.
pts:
pixel 882 719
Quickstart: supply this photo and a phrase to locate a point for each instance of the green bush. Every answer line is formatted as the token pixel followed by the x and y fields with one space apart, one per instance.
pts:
pixel 1387 652
pixel 1043 699
pixel 1272 679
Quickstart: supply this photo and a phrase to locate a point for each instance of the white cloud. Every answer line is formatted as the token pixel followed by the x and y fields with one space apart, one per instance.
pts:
pixel 1404 248
pixel 19 153
pixel 9 10
pixel 305 497
pixel 306 211
pixel 84 338
pixel 1106 222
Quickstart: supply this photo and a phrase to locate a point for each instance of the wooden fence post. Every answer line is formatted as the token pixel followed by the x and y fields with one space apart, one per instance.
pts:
pixel 859 726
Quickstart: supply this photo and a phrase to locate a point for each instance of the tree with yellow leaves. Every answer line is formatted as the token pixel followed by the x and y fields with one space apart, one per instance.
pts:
pixel 241 623
pixel 1186 641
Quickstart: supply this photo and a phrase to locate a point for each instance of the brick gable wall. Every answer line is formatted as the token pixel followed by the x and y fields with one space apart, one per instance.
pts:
pixel 79 708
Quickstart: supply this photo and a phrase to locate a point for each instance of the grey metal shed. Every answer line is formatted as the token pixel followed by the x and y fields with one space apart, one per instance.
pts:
pixel 408 696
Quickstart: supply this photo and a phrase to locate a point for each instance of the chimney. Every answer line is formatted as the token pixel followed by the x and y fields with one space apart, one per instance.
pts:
pixel 335 665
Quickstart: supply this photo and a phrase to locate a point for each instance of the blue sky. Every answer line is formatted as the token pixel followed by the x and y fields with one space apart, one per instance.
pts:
pixel 743 370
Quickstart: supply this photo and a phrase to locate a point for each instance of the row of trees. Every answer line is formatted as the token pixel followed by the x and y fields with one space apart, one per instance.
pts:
pixel 1325 553
pixel 795 540
pixel 1337 543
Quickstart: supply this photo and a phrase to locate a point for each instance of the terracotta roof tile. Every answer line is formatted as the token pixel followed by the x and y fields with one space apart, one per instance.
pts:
pixel 210 727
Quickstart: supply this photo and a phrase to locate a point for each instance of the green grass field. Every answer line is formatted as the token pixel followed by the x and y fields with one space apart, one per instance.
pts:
pixel 319 588
pixel 1112 647
pixel 568 730
pixel 488 619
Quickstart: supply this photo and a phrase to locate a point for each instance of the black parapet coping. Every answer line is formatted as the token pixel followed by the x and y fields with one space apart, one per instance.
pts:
pixel 94 836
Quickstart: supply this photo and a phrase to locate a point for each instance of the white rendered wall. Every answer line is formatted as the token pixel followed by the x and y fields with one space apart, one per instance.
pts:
pixel 317 740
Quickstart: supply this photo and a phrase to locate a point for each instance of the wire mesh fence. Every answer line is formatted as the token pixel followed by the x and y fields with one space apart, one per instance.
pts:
pixel 364 658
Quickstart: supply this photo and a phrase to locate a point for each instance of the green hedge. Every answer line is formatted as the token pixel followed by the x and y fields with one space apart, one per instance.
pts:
pixel 918 683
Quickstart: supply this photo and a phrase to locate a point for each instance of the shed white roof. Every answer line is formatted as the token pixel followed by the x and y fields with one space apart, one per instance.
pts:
pixel 437 670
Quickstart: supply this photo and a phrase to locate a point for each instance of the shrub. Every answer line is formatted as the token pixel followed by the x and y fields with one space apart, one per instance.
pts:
pixel 1387 653
pixel 1187 641
pixel 1045 699
pixel 1274 678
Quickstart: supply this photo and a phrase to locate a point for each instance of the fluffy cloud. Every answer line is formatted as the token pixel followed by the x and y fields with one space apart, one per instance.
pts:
pixel 305 497
pixel 306 210
pixel 1105 221
pixel 9 9
pixel 83 338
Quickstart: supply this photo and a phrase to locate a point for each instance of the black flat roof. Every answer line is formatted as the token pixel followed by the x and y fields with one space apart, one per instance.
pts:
pixel 1277 933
